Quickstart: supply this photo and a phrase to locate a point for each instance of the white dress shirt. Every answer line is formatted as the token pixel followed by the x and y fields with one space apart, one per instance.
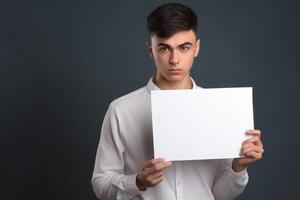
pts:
pixel 126 144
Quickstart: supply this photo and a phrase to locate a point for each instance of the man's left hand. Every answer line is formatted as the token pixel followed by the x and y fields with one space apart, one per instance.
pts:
pixel 252 149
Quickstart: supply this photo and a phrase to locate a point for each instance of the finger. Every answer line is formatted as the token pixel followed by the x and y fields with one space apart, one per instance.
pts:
pixel 152 162
pixel 250 144
pixel 246 145
pixel 154 176
pixel 254 155
pixel 158 167
pixel 254 133
pixel 256 149
pixel 254 140
pixel 250 140
pixel 257 141
pixel 156 181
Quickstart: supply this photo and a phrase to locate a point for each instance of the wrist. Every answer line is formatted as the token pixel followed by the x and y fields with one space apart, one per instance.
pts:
pixel 139 185
pixel 236 167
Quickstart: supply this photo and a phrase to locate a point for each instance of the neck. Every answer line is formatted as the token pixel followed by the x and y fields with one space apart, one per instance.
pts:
pixel 164 84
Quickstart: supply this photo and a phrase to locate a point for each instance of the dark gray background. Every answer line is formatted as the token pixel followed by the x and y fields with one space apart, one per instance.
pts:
pixel 62 63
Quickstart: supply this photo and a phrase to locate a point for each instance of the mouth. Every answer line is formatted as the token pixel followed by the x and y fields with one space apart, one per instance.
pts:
pixel 175 70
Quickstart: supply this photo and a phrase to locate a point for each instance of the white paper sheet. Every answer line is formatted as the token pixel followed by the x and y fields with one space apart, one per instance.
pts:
pixel 202 123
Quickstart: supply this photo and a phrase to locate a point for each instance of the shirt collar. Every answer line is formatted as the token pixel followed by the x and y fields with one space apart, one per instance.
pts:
pixel 152 86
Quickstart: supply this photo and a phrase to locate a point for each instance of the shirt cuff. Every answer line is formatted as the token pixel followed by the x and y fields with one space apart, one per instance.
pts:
pixel 241 173
pixel 130 185
pixel 239 177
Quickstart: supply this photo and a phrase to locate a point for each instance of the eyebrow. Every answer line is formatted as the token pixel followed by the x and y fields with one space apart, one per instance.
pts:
pixel 166 45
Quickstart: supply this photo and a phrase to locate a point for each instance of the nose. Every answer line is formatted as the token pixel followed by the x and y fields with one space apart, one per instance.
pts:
pixel 174 58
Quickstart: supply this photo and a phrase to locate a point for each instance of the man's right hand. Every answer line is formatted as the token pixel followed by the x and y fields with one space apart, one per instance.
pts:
pixel 151 173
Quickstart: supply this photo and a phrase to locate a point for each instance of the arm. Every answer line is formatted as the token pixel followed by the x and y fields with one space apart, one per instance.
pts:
pixel 232 177
pixel 228 184
pixel 109 180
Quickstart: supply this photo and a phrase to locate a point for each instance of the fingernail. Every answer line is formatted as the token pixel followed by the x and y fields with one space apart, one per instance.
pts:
pixel 160 159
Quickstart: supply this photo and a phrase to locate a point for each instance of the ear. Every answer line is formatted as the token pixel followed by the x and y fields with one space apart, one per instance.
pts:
pixel 149 47
pixel 197 48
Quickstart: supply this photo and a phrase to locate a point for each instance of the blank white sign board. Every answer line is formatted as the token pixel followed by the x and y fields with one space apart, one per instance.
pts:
pixel 201 123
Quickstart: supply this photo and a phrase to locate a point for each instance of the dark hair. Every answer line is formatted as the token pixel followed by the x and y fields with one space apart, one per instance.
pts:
pixel 170 18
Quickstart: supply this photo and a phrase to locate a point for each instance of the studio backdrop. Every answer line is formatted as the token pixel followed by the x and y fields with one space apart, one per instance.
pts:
pixel 62 63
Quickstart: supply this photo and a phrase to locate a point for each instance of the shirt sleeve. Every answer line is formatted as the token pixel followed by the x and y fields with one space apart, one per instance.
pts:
pixel 108 180
pixel 227 183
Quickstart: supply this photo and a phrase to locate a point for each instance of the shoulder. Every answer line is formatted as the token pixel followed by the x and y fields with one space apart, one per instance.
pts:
pixel 131 99
pixel 198 87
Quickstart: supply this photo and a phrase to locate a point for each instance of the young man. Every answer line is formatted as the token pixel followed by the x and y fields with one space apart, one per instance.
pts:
pixel 125 167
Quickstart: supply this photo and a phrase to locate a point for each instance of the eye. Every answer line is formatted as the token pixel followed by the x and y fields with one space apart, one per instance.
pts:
pixel 163 49
pixel 184 48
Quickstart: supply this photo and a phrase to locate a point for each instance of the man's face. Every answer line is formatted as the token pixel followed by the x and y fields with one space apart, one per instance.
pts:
pixel 174 56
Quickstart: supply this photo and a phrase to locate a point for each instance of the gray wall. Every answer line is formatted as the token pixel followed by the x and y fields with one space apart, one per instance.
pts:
pixel 62 63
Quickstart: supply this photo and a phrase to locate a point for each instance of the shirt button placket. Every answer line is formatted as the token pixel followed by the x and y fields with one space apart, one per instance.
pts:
pixel 178 182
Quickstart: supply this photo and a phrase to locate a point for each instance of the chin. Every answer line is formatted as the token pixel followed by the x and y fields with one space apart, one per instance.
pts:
pixel 175 78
